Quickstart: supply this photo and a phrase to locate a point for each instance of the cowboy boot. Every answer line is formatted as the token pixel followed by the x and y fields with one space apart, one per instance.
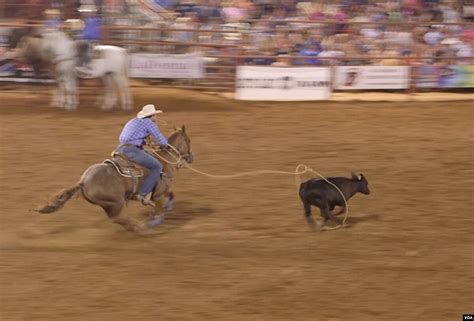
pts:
pixel 145 201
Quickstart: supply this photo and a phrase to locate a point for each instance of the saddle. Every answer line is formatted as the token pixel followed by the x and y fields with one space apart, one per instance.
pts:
pixel 129 169
pixel 125 167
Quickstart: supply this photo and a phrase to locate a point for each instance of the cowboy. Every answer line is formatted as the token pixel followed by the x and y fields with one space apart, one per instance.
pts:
pixel 132 140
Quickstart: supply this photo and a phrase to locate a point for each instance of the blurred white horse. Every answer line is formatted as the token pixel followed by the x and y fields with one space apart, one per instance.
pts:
pixel 60 52
pixel 111 64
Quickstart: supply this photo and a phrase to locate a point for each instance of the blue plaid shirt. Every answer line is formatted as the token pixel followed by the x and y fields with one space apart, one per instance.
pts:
pixel 138 129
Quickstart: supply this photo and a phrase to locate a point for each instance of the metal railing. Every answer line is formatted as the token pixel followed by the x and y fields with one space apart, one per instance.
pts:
pixel 228 54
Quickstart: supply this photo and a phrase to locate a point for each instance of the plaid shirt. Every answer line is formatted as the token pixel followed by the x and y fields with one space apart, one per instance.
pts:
pixel 138 129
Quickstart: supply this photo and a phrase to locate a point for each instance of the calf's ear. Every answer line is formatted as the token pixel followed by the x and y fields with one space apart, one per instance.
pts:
pixel 356 177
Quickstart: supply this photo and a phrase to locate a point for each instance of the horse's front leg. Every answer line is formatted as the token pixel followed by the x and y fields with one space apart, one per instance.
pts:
pixel 58 93
pixel 169 201
pixel 71 91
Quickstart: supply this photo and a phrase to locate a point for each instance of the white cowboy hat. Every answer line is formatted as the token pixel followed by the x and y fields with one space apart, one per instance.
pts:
pixel 148 110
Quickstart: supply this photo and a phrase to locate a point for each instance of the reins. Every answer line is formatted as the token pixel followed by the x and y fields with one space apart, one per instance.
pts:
pixel 299 170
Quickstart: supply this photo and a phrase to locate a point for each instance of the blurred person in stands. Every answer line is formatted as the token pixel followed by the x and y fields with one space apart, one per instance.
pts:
pixel 289 6
pixel 266 50
pixel 410 9
pixel 433 37
pixel 390 54
pixel 311 49
pixel 455 47
pixel 468 34
pixel 282 61
pixel 213 24
pixel 186 23
pixel 232 13
pixel 331 50
pixel 282 43
pixel 296 41
pixel 207 10
pixel 317 12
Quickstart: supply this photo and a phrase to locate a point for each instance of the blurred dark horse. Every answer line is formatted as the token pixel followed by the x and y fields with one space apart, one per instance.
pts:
pixel 102 185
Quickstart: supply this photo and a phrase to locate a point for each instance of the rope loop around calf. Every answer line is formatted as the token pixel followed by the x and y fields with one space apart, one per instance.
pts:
pixel 299 170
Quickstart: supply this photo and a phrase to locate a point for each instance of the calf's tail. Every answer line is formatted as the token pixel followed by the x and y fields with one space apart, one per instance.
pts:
pixel 59 200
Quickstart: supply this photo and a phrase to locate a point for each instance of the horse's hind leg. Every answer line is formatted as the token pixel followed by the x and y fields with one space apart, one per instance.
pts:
pixel 109 99
pixel 70 91
pixel 58 93
pixel 124 91
pixel 113 211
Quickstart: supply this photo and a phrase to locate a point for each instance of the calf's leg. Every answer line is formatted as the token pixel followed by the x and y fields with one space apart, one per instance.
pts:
pixel 307 214
pixel 326 213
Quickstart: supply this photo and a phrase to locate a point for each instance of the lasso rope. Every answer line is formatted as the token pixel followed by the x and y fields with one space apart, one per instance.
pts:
pixel 299 170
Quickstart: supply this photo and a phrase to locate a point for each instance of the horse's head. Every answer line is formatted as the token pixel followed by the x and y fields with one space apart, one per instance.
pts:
pixel 27 46
pixel 181 142
pixel 16 35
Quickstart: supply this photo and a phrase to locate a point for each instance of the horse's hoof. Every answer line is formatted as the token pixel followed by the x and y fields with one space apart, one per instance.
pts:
pixel 169 205
pixel 155 221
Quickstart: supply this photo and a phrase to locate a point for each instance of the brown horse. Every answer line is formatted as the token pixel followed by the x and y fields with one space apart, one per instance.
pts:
pixel 102 185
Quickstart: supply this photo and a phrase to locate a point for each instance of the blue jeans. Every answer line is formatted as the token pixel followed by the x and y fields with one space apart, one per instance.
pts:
pixel 141 157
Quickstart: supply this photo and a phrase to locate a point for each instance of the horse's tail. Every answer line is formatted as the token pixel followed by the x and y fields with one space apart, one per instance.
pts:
pixel 59 200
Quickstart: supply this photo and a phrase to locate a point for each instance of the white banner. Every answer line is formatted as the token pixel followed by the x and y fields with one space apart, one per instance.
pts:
pixel 372 77
pixel 283 84
pixel 166 66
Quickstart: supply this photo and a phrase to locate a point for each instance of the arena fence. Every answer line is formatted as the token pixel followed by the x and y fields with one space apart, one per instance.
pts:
pixel 220 58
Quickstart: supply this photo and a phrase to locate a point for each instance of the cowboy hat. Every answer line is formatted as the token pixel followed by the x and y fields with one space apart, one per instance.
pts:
pixel 148 110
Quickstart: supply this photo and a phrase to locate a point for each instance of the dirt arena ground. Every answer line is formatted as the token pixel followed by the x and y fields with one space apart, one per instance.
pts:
pixel 240 249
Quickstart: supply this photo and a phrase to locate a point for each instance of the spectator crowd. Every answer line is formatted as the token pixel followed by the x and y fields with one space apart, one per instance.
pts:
pixel 286 32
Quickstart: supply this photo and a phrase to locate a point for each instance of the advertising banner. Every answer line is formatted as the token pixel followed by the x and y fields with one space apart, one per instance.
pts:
pixel 283 84
pixel 450 76
pixel 427 76
pixel 453 76
pixel 371 77
pixel 187 66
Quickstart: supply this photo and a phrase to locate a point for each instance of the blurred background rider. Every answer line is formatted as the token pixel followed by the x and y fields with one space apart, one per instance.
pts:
pixel 91 32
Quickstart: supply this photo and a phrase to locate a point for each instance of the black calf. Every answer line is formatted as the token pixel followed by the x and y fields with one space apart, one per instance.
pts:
pixel 318 192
